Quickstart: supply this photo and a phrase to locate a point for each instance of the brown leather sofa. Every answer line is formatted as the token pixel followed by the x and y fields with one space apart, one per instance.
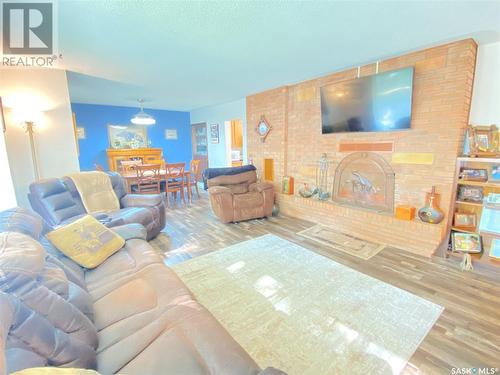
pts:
pixel 130 315
pixel 240 197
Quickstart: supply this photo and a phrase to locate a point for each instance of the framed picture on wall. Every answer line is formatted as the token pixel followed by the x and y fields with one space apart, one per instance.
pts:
pixel 127 136
pixel 171 134
pixel 214 133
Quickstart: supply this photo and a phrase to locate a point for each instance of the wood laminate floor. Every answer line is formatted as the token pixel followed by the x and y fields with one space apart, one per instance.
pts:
pixel 467 333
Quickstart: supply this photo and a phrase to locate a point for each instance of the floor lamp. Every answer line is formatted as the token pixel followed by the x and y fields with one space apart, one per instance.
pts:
pixel 29 127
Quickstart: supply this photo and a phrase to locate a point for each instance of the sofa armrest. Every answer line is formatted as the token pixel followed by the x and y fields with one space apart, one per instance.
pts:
pixel 141 200
pixel 130 231
pixel 260 186
pixel 221 201
pixel 271 371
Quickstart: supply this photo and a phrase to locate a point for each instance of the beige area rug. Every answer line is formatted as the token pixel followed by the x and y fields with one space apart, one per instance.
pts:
pixel 343 242
pixel 303 313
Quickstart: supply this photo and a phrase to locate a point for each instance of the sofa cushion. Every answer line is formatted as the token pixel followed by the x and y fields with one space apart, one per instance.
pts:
pixel 53 201
pixel 86 241
pixel 22 261
pixel 22 220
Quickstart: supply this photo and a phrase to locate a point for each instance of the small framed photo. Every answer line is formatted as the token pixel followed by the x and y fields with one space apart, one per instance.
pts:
pixel 465 220
pixel 171 134
pixel 80 133
pixel 495 173
pixel 466 242
pixel 470 194
pixel 473 174
pixel 288 187
pixel 214 133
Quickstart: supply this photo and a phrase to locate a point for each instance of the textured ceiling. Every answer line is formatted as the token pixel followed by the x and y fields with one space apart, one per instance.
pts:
pixel 185 55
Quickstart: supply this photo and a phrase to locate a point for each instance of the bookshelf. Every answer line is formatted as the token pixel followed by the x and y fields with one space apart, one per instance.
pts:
pixel 475 207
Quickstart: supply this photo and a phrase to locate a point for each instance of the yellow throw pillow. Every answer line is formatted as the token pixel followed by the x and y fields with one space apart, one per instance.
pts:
pixel 86 241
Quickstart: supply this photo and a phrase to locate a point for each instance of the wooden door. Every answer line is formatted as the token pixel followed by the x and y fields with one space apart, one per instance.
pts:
pixel 200 144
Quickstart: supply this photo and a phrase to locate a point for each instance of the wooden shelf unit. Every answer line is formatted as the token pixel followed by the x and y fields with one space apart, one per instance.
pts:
pixel 482 258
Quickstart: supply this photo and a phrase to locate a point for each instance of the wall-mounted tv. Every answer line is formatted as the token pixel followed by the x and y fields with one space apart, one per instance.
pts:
pixel 377 103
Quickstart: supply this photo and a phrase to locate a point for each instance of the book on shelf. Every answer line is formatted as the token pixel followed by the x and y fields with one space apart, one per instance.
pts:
pixel 492 201
pixel 490 221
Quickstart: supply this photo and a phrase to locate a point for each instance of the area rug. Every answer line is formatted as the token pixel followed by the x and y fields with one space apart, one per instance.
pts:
pixel 296 310
pixel 343 242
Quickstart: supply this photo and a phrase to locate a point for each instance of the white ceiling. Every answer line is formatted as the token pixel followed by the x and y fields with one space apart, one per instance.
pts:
pixel 184 55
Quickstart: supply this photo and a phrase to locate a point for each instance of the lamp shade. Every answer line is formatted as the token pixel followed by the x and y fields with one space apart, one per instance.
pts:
pixel 142 118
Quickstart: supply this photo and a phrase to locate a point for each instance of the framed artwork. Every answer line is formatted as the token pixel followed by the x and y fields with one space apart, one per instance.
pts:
pixel 171 134
pixel 80 133
pixel 127 136
pixel 466 242
pixel 470 194
pixel 2 117
pixel 288 185
pixel 495 173
pixel 473 174
pixel 214 133
pixel 465 220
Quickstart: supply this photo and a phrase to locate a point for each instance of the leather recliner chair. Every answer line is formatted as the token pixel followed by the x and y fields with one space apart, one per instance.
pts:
pixel 57 200
pixel 240 197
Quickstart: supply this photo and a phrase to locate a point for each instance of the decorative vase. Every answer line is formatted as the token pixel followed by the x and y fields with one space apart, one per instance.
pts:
pixel 276 209
pixel 431 213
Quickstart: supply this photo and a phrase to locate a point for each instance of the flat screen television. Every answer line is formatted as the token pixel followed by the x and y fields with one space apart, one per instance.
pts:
pixel 376 103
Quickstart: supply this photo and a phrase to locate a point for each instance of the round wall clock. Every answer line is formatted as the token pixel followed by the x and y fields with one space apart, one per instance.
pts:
pixel 263 128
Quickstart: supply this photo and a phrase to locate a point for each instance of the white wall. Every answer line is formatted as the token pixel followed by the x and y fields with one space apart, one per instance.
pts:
pixel 46 90
pixel 8 196
pixel 485 106
pixel 218 114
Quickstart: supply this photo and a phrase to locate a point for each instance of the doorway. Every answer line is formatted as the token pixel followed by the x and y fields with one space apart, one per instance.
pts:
pixel 200 144
pixel 234 142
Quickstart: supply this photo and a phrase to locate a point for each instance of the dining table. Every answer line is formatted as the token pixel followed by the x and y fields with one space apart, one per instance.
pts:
pixel 130 177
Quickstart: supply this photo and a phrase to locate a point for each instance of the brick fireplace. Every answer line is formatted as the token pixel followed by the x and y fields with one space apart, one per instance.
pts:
pixel 441 100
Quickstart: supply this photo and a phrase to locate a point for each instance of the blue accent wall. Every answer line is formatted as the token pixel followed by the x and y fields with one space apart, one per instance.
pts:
pixel 95 119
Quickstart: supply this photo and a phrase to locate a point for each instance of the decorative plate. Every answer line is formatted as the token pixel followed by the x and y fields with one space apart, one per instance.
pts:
pixel 263 128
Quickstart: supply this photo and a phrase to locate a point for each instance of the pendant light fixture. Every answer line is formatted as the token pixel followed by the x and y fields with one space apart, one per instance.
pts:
pixel 141 117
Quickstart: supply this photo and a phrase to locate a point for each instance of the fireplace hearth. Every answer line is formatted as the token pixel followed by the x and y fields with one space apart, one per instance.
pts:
pixel 365 180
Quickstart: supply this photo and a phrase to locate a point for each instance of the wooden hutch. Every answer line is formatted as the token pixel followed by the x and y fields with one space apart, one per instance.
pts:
pixel 117 155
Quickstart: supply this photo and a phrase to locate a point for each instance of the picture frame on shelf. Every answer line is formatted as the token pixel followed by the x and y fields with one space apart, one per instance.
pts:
pixel 214 133
pixel 483 141
pixel 465 220
pixel 466 243
pixel 472 194
pixel 288 185
pixel 474 174
pixel 495 173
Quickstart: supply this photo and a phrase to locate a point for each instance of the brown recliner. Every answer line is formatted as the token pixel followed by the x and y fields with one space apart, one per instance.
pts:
pixel 240 197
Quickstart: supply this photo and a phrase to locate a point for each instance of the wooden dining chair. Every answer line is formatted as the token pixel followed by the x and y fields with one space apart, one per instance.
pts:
pixel 194 175
pixel 127 166
pixel 148 178
pixel 174 180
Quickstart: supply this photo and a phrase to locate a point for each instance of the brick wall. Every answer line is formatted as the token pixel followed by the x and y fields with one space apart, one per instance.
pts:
pixel 441 101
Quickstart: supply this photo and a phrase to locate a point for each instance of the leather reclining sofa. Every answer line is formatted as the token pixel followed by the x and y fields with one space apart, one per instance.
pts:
pixel 238 197
pixel 57 200
pixel 130 315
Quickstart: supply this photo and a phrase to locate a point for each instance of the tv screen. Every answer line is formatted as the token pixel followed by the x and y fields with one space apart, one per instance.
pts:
pixel 376 103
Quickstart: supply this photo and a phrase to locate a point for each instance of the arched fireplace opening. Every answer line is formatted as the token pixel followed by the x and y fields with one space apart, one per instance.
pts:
pixel 365 179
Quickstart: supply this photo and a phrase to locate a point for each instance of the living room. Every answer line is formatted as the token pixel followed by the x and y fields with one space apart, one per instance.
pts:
pixel 250 187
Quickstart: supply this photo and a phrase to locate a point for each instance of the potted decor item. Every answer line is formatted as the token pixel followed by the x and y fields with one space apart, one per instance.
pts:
pixel 431 213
